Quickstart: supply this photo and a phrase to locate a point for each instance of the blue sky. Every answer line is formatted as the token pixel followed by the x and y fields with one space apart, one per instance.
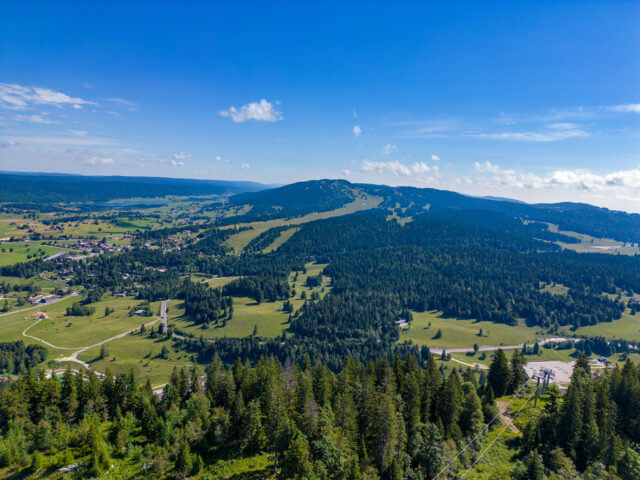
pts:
pixel 534 100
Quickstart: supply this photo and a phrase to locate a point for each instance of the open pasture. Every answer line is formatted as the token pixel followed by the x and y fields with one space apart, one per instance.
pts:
pixel 16 252
pixel 464 333
pixel 80 331
pixel 140 353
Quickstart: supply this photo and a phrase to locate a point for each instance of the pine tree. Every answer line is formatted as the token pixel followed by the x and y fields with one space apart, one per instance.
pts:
pixel 498 376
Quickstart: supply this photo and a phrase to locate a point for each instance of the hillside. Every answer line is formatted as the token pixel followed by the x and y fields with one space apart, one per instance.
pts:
pixel 53 188
pixel 323 195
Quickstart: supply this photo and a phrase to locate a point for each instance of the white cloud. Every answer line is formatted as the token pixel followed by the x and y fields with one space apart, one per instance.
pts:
pixel 627 108
pixel 394 167
pixel 177 163
pixel 420 167
pixel 181 156
pixel 346 172
pixel 388 148
pixel 47 141
pixel 552 133
pixel 99 161
pixel 262 111
pixel 79 133
pixel 620 183
pixel 18 97
pixel 435 158
pixel 35 119
pixel 245 166
pixel 220 159
pixel 486 167
pixel 357 131
pixel 7 144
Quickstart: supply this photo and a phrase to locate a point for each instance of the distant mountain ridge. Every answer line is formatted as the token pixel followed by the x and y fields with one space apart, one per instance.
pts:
pixel 300 198
pixel 63 188
pixel 323 195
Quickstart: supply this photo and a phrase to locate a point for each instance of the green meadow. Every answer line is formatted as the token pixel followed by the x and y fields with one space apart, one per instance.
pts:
pixel 15 252
pixel 140 353
pixel 464 333
pixel 268 317
pixel 80 331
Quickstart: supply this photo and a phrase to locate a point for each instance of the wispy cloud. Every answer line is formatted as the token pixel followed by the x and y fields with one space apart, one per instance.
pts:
pixel 357 131
pixel 79 133
pixel 553 132
pixel 435 158
pixel 177 163
pixel 35 119
pixel 18 97
pixel 262 111
pixel 627 108
pixel 220 159
pixel 181 156
pixel 59 141
pixel 245 166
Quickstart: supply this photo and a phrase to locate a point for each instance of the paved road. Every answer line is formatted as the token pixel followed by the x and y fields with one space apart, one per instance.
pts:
pixel 490 348
pixel 40 305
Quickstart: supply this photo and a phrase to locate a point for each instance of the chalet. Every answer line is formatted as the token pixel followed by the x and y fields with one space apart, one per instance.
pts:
pixel 40 315
pixel 401 323
pixel 140 313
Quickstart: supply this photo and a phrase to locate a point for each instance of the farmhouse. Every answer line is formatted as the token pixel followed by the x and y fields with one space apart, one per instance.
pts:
pixel 401 323
pixel 40 315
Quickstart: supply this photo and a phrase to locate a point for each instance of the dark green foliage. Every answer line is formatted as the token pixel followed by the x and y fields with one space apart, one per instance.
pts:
pixel 16 357
pixel 205 305
pixel 79 309
pixel 45 188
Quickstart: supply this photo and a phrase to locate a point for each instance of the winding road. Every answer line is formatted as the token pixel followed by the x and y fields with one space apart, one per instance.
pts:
pixel 78 350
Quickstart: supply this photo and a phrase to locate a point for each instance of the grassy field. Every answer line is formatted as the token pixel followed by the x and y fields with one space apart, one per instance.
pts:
pixel 247 314
pixel 555 289
pixel 589 244
pixel 627 327
pixel 240 240
pixel 94 227
pixel 282 238
pixel 22 252
pixel 9 224
pixel 140 353
pixel 485 358
pixel 464 333
pixel 69 331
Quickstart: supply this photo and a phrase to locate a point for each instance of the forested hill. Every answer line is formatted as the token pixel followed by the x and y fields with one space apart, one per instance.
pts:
pixel 53 188
pixel 324 195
